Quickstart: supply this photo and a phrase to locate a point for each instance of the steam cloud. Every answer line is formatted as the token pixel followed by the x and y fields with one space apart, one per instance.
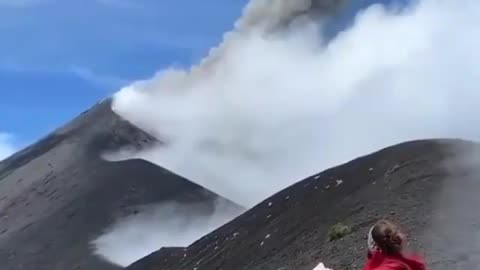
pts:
pixel 161 225
pixel 265 108
pixel 276 102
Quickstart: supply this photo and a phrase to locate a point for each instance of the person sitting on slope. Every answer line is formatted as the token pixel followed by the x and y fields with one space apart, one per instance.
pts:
pixel 385 249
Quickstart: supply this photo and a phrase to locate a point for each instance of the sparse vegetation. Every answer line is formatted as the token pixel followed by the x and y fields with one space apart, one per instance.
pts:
pixel 338 231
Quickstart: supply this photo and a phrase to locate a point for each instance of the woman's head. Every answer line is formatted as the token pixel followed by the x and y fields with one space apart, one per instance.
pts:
pixel 387 237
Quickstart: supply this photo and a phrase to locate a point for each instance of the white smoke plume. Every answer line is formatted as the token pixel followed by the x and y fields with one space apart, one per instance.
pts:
pixel 169 224
pixel 264 110
pixel 276 102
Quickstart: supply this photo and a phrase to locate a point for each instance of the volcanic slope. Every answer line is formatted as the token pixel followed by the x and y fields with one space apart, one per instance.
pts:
pixel 430 187
pixel 58 194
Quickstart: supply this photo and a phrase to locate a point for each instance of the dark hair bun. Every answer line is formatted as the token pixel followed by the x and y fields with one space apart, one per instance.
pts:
pixel 387 236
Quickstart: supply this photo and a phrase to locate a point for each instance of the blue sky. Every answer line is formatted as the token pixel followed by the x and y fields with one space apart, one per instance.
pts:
pixel 58 57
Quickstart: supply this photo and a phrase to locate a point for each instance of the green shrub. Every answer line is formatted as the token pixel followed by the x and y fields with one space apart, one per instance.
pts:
pixel 338 231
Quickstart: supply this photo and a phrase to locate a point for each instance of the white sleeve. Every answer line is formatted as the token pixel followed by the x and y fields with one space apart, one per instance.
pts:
pixel 370 242
pixel 320 266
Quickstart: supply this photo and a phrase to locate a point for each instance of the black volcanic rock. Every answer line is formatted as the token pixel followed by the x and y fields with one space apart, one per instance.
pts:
pixel 430 187
pixel 58 194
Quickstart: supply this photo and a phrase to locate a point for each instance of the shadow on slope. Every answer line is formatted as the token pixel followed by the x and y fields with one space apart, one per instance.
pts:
pixel 420 184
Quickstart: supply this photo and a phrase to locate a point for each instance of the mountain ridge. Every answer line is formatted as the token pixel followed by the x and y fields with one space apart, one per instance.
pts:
pixel 58 195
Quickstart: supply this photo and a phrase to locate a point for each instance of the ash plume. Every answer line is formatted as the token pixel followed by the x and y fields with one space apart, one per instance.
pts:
pixel 263 110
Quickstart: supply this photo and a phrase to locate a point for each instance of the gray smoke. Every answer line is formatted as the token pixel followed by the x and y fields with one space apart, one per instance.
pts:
pixel 263 23
pixel 264 110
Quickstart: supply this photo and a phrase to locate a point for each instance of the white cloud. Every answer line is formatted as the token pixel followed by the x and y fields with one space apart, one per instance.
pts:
pixel 7 147
pixel 83 73
pixel 96 78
